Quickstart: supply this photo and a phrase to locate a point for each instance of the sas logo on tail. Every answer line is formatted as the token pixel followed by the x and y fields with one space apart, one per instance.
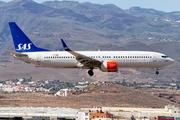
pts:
pixel 24 47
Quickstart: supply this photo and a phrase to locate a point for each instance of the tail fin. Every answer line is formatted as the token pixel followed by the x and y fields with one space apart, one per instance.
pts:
pixel 21 42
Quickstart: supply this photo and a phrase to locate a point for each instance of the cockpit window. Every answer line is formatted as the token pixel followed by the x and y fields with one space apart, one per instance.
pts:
pixel 164 56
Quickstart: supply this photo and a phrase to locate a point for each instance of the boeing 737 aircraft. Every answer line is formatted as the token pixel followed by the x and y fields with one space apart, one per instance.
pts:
pixel 106 61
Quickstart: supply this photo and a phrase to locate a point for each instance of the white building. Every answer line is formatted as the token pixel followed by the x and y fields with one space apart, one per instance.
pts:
pixel 46 82
pixel 83 115
pixel 62 92
pixel 37 113
pixel 102 119
pixel 174 110
pixel 8 89
pixel 21 80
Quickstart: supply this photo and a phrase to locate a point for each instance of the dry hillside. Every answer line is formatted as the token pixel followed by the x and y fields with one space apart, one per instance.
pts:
pixel 117 96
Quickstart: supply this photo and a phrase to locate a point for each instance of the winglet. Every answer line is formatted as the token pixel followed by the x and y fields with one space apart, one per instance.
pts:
pixel 65 46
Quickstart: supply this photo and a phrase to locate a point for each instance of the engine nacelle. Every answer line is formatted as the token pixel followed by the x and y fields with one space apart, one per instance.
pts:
pixel 109 66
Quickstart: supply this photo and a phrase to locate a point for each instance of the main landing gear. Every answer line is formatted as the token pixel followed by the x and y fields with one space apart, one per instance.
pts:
pixel 157 72
pixel 90 72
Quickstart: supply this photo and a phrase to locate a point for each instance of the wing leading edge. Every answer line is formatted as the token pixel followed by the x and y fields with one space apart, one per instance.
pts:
pixel 83 59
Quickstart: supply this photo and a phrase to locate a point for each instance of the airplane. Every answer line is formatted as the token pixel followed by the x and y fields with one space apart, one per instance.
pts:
pixel 106 61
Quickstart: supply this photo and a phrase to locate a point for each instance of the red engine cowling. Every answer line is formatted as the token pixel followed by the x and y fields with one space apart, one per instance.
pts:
pixel 109 66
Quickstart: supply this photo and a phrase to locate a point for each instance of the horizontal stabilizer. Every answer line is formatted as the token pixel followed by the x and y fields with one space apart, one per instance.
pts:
pixel 16 53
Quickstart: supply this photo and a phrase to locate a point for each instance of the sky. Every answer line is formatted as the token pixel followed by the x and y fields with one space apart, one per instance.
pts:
pixel 162 5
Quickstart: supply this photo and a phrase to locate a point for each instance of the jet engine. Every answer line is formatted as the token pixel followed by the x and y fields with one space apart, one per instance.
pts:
pixel 109 66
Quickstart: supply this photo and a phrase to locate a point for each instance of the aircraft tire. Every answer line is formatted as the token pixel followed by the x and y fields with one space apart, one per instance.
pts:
pixel 90 72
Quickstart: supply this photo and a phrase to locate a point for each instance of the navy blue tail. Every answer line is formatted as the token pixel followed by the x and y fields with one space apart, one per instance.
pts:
pixel 21 42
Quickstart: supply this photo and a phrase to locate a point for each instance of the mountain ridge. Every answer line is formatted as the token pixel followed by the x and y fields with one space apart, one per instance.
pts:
pixel 31 7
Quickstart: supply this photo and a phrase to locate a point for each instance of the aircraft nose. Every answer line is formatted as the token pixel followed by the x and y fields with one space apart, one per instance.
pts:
pixel 171 61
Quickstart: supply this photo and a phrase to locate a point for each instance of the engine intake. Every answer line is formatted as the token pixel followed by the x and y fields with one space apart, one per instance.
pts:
pixel 109 66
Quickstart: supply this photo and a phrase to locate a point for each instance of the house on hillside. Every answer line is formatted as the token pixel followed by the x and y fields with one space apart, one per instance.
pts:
pixel 62 92
pixel 94 115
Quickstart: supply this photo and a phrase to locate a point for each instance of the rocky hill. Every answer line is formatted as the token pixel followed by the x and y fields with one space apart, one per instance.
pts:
pixel 154 14
pixel 85 24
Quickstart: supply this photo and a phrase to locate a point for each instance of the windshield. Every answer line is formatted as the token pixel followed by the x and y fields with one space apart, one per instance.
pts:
pixel 164 56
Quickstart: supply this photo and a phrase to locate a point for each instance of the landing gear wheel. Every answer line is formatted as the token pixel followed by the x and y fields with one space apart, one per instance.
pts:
pixel 90 72
pixel 157 72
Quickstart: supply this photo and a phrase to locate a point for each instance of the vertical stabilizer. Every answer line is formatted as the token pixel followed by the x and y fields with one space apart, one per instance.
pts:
pixel 21 42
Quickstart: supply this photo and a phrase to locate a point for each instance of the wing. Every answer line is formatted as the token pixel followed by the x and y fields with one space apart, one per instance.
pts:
pixel 16 53
pixel 83 59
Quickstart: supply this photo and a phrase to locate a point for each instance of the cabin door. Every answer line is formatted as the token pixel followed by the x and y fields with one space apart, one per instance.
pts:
pixel 154 58
pixel 38 58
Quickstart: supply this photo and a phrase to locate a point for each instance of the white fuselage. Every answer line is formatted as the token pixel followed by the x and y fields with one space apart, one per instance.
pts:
pixel 124 59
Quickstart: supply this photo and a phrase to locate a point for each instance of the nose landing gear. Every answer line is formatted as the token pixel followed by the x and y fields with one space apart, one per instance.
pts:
pixel 157 72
